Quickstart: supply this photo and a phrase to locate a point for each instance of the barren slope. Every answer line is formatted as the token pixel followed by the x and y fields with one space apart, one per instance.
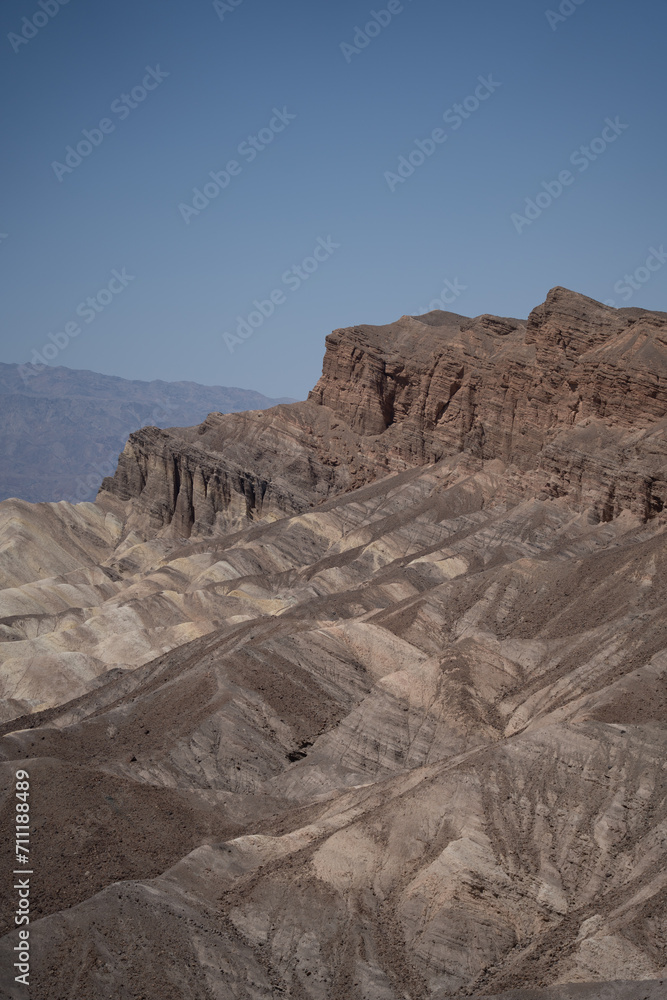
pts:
pixel 363 697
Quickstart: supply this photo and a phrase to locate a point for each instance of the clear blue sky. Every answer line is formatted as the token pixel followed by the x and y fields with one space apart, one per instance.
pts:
pixel 322 176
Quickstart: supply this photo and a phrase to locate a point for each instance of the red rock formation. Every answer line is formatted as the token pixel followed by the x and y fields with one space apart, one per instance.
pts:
pixel 574 395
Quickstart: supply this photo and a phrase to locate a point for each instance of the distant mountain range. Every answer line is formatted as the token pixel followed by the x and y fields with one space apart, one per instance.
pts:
pixel 62 430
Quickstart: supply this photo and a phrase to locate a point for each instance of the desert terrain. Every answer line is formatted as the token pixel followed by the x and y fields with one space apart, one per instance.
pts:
pixel 363 697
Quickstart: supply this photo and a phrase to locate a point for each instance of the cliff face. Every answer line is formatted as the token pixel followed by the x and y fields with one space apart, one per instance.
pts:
pixel 574 398
pixel 392 723
pixel 498 389
pixel 235 468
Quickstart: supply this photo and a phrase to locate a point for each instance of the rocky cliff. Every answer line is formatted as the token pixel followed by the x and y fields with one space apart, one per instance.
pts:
pixel 499 388
pixel 575 397
pixel 362 698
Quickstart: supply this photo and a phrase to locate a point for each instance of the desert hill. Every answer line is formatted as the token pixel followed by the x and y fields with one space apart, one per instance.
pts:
pixel 364 697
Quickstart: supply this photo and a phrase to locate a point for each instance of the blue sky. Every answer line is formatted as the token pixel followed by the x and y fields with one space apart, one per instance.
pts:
pixel 339 116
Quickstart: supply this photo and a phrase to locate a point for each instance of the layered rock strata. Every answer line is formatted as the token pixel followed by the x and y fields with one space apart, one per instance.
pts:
pixel 363 698
pixel 576 397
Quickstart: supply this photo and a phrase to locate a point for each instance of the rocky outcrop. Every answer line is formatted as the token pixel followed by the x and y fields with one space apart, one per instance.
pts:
pixel 497 388
pixel 188 485
pixel 236 468
pixel 575 396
